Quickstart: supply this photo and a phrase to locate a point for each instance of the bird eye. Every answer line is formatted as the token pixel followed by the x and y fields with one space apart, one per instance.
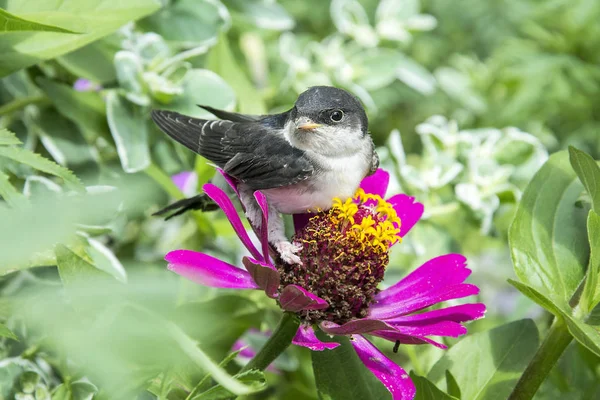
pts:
pixel 336 115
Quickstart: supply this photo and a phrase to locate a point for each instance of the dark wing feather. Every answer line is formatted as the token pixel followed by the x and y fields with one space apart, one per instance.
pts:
pixel 231 116
pixel 249 151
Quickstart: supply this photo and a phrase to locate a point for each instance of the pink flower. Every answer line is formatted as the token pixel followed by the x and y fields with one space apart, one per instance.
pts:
pixel 344 254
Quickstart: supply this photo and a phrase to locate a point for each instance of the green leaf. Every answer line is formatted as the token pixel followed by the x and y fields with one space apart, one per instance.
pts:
pixel 588 172
pixel 94 18
pixel 220 393
pixel 217 334
pixel 86 109
pixel 8 138
pixel 202 360
pixel 72 268
pixel 105 260
pixel 591 291
pixel 548 245
pixel 587 335
pixel 201 86
pixel 94 61
pixel 62 139
pixel 487 365
pixel 75 391
pixel 129 130
pixel 7 333
pixel 42 164
pixel 221 60
pixel 339 374
pixel 537 297
pixel 9 193
pixel 188 22
pixel 452 385
pixel 426 390
pixel 10 23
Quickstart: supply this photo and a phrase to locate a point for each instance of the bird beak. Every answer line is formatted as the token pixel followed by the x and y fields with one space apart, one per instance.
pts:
pixel 305 124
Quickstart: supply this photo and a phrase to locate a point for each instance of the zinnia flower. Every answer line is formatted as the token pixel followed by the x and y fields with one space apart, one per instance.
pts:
pixel 345 251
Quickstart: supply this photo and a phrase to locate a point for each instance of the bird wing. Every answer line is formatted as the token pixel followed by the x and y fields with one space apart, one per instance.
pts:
pixel 231 116
pixel 248 151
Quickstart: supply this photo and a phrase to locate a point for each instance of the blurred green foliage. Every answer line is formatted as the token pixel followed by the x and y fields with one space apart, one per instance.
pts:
pixel 465 101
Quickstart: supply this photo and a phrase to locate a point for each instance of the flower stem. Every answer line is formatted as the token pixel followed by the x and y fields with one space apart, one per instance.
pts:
pixel 554 344
pixel 277 343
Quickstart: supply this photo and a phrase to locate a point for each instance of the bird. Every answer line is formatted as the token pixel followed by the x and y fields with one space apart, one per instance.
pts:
pixel 300 159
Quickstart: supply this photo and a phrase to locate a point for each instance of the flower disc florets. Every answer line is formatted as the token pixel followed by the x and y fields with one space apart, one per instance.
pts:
pixel 344 255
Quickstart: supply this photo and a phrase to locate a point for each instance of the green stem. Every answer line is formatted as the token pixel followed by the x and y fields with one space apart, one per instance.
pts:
pixel 19 103
pixel 164 181
pixel 554 344
pixel 277 343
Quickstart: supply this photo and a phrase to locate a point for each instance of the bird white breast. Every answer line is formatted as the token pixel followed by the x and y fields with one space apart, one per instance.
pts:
pixel 339 177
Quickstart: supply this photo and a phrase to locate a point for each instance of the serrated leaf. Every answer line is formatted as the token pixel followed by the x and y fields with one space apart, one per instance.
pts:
pixel 426 390
pixel 10 23
pixel 7 333
pixel 221 61
pixel 339 374
pixel 588 172
pixel 547 240
pixel 129 130
pixel 591 290
pixel 8 138
pixel 42 164
pixel 95 18
pixel 9 193
pixel 487 365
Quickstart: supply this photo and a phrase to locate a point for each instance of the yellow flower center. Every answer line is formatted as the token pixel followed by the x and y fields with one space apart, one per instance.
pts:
pixel 373 221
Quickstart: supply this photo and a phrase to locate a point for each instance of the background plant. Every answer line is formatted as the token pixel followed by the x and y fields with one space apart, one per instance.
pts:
pixel 472 106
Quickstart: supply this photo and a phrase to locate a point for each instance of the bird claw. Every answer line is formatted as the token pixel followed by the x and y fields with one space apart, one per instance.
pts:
pixel 287 251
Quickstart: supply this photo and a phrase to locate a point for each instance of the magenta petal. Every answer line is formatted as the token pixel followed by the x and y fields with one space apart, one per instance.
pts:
pixel 230 181
pixel 442 328
pixel 406 339
pixel 393 377
pixel 306 337
pixel 355 326
pixel 408 211
pixel 436 273
pixel 208 271
pixel 391 307
pixel 460 313
pixel 265 275
pixel 264 226
pixel 221 198
pixel 376 183
pixel 295 298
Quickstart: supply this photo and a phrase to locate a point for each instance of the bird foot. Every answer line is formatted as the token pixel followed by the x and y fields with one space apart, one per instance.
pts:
pixel 287 251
